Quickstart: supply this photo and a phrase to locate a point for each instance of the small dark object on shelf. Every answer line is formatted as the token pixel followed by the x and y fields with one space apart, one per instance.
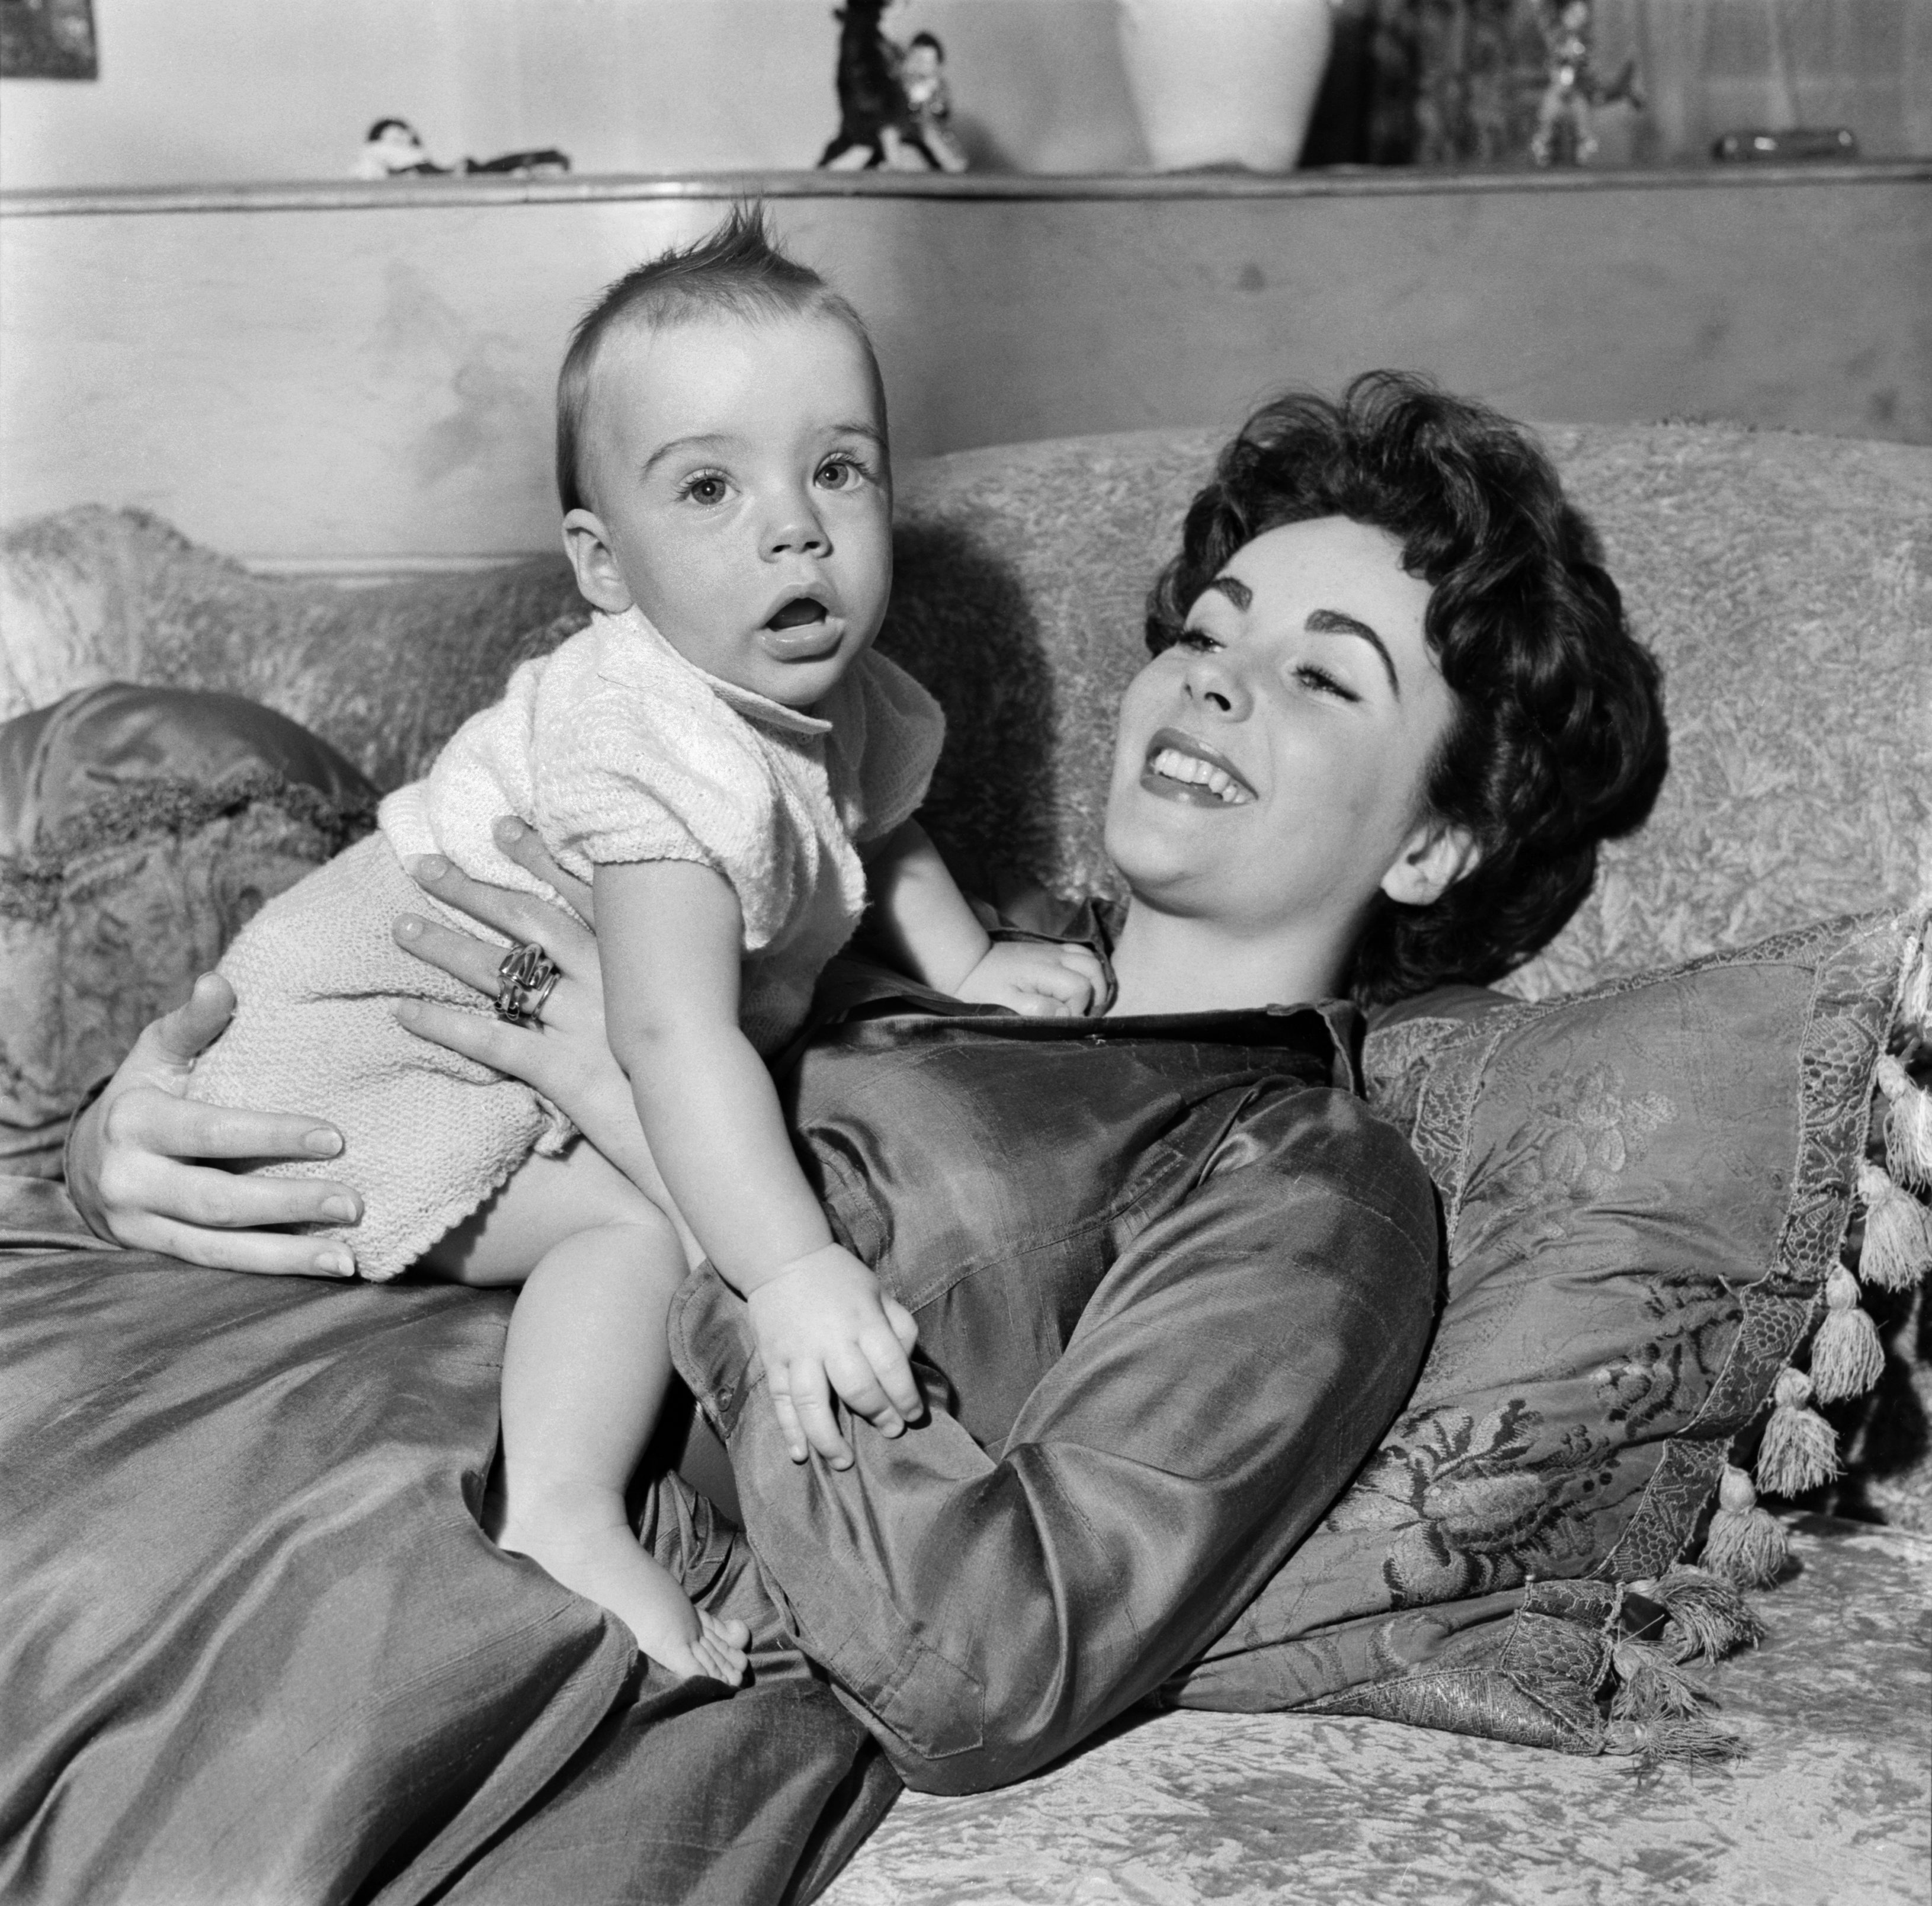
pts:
pixel 541 160
pixel 1787 148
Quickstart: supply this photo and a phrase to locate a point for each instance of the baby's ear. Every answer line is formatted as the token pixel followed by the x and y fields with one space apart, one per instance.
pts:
pixel 599 581
pixel 1434 858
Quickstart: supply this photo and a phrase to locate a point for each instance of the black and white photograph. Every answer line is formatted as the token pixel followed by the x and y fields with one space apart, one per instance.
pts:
pixel 965 952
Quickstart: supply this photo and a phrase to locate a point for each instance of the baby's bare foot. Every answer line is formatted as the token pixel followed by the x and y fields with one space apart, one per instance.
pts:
pixel 584 1542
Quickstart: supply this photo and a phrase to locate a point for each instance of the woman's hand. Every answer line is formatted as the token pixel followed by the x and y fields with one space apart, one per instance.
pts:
pixel 567 1056
pixel 144 1163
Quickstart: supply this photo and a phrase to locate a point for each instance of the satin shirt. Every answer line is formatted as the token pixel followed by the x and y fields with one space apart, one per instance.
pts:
pixel 1173 1280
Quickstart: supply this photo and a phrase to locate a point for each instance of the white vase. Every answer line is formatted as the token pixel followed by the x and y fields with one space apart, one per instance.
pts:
pixel 1225 82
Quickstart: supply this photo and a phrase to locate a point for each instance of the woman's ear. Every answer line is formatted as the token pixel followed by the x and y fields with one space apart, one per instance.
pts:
pixel 599 581
pixel 1435 857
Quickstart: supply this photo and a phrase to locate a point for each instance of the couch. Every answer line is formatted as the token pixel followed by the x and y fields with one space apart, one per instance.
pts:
pixel 1784 582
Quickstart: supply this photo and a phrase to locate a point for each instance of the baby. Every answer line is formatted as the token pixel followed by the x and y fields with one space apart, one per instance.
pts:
pixel 723 757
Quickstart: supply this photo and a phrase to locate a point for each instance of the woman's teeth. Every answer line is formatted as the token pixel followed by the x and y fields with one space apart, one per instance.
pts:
pixel 1192 769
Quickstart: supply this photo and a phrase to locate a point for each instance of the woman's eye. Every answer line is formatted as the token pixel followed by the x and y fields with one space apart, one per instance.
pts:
pixel 1322 682
pixel 1198 640
pixel 704 489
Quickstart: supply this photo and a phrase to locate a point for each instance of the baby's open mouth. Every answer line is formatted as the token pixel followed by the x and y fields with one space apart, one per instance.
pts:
pixel 796 613
pixel 1182 763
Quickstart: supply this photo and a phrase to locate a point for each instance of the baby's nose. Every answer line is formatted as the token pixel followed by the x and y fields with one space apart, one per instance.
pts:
pixel 796 532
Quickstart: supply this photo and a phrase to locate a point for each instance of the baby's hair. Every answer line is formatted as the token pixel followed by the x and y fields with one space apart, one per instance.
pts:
pixel 734 270
pixel 930 40
pixel 383 125
pixel 1558 741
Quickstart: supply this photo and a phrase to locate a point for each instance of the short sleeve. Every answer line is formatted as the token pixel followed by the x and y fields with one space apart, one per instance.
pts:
pixel 623 775
pixel 895 730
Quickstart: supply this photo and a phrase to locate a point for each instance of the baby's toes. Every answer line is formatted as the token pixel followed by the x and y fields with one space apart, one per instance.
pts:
pixel 733 1634
pixel 719 1664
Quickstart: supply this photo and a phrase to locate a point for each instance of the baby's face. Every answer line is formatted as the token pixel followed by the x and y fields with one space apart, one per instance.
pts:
pixel 738 480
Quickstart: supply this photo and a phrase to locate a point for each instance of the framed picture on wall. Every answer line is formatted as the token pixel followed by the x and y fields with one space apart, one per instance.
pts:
pixel 48 40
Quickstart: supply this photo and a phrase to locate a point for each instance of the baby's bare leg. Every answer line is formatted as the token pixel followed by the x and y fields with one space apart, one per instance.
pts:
pixel 585 1370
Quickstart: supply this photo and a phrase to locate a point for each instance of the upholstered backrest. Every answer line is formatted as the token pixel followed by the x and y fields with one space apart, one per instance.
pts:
pixel 1784 581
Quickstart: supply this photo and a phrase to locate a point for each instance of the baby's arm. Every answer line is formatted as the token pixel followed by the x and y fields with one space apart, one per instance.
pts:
pixel 937 937
pixel 668 935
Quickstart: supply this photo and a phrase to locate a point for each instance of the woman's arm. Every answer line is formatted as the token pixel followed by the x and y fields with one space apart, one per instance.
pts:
pixel 147 1167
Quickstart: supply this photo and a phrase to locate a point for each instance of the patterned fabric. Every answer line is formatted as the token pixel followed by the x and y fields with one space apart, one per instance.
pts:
pixel 139 830
pixel 1644 1189
pixel 1828 1801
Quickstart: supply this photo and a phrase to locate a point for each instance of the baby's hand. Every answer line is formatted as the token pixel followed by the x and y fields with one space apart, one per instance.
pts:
pixel 1042 980
pixel 822 1325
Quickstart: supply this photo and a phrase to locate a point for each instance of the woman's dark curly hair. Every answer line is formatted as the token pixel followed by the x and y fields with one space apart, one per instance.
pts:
pixel 1558 741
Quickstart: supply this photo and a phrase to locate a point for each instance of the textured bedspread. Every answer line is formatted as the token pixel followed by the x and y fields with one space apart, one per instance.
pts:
pixel 1828 1807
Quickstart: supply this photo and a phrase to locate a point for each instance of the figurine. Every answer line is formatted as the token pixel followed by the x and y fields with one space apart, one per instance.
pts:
pixel 1563 135
pixel 922 80
pixel 873 110
pixel 393 150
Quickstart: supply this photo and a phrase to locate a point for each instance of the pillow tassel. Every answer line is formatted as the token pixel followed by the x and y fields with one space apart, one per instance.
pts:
pixel 1898 1233
pixel 1908 1125
pixel 1746 1544
pixel 1651 1686
pixel 1800 1449
pixel 1708 1617
pixel 1846 1356
pixel 1914 988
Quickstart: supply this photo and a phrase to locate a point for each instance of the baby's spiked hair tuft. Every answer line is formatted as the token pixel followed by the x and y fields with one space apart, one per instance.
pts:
pixel 733 271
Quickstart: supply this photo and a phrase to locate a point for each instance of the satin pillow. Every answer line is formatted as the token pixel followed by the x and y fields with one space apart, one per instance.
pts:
pixel 139 828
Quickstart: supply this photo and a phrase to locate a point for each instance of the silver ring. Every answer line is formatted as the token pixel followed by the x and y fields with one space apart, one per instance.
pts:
pixel 528 977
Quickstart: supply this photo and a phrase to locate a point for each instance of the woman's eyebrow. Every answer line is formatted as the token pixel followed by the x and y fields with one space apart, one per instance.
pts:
pixel 1332 622
pixel 1237 591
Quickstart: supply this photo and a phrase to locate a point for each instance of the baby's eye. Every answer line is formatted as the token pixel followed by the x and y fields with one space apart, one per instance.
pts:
pixel 1322 682
pixel 843 472
pixel 707 488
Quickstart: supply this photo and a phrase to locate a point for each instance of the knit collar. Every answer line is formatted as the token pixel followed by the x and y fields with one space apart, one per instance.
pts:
pixel 747 702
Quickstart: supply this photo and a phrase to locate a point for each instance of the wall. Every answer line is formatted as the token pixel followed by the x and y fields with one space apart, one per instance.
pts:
pixel 335 376
pixel 205 91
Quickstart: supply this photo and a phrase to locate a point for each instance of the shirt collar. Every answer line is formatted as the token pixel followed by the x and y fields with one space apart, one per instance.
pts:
pixel 747 702
pixel 856 987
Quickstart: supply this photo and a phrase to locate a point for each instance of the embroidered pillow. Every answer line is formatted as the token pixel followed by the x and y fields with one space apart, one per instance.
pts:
pixel 139 829
pixel 1645 1191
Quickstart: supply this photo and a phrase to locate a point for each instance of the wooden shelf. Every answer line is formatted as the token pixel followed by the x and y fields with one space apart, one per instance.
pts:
pixel 323 195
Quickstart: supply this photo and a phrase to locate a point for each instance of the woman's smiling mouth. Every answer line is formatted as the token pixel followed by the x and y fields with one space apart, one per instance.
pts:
pixel 1182 769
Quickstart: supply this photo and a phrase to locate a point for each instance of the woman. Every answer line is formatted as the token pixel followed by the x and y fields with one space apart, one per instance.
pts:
pixel 1172 1280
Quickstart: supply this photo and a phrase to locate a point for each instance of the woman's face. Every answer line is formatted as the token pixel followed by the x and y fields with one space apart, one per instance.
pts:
pixel 1269 768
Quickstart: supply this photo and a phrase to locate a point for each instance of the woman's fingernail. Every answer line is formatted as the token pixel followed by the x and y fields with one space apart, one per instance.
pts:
pixel 409 928
pixel 509 828
pixel 334 1264
pixel 322 1142
pixel 409 1011
pixel 429 867
pixel 340 1208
